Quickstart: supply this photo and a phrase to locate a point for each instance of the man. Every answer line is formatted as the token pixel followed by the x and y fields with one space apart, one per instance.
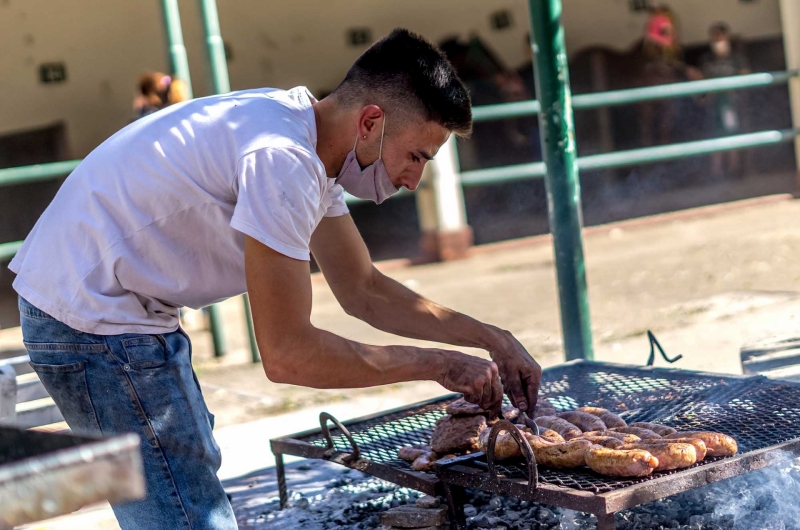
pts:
pixel 222 195
pixel 723 60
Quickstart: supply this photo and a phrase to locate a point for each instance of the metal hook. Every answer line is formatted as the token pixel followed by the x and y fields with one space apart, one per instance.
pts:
pixel 324 418
pixel 525 447
pixel 653 345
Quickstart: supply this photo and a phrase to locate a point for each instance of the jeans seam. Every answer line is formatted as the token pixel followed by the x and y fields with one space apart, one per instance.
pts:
pixel 162 460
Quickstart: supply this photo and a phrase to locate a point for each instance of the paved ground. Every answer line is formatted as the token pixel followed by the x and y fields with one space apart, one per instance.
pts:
pixel 704 283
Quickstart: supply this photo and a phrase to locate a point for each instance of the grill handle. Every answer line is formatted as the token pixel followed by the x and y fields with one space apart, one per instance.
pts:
pixel 525 447
pixel 324 418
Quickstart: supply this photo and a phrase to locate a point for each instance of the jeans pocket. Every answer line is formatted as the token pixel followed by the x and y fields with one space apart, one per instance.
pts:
pixel 145 351
pixel 66 384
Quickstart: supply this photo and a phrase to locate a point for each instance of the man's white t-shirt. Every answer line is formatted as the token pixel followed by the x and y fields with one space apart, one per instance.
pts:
pixel 154 218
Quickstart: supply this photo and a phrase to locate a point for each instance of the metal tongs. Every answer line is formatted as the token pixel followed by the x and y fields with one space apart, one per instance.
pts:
pixel 530 423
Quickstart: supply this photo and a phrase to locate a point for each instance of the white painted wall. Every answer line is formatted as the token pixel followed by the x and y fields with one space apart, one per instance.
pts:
pixel 107 43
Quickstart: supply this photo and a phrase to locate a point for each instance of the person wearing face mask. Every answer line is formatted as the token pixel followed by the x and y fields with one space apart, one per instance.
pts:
pixel 227 194
pixel 723 108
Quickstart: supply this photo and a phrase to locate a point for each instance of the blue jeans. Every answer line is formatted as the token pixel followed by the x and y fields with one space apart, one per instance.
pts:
pixel 145 384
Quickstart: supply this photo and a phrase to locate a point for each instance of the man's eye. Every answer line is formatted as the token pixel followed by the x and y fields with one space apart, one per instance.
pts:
pixel 415 158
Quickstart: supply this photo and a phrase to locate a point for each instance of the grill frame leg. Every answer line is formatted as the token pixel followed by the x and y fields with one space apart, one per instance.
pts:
pixel 605 521
pixel 455 496
pixel 281 471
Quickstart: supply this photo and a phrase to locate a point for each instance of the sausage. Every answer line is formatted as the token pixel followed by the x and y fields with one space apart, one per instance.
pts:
pixel 717 444
pixel 537 442
pixel 627 438
pixel 670 455
pixel 661 430
pixel 505 446
pixel 604 441
pixel 562 456
pixel 547 434
pixel 543 408
pixel 551 436
pixel 564 428
pixel 410 453
pixel 606 416
pixel 644 434
pixel 425 462
pixel 620 463
pixel 699 446
pixel 583 420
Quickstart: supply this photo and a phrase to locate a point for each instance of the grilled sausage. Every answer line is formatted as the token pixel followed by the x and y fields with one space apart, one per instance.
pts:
pixel 537 442
pixel 551 436
pixel 410 453
pixel 717 444
pixel 505 446
pixel 606 416
pixel 620 463
pixel 644 434
pixel 543 408
pixel 562 456
pixel 670 455
pixel 699 446
pixel 604 441
pixel 626 438
pixel 425 462
pixel 583 420
pixel 564 428
pixel 661 430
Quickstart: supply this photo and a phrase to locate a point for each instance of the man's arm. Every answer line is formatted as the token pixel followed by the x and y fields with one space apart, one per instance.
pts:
pixel 293 351
pixel 367 294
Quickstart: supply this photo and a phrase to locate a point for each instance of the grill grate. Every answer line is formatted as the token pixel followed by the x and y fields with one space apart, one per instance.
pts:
pixel 758 412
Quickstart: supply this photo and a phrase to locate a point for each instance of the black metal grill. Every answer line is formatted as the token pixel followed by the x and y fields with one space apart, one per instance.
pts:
pixel 758 412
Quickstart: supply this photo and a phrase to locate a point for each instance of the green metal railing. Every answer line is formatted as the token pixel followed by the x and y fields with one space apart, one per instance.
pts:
pixel 637 95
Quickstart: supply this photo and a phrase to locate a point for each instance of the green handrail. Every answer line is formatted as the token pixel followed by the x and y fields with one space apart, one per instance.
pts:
pixel 632 157
pixel 8 250
pixel 25 174
pixel 611 98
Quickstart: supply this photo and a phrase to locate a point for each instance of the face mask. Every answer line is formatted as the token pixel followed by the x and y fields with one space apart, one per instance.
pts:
pixel 371 183
pixel 721 47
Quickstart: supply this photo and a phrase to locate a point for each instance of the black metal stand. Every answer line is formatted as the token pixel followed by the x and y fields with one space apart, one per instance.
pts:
pixel 455 496
pixel 279 469
pixel 605 521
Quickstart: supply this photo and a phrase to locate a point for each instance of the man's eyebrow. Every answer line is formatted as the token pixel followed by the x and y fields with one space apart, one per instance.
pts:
pixel 425 155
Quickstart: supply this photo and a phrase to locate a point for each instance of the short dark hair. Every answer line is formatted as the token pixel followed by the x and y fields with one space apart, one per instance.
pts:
pixel 720 27
pixel 405 72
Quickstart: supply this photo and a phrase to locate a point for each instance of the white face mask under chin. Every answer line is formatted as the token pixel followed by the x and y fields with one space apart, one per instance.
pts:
pixel 371 183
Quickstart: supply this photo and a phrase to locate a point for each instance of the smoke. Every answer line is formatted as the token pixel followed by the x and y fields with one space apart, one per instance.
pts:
pixel 767 499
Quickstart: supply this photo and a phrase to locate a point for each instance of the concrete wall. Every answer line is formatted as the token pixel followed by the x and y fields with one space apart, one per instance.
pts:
pixel 107 43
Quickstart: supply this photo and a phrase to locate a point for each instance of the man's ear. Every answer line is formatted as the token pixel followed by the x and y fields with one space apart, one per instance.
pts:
pixel 368 120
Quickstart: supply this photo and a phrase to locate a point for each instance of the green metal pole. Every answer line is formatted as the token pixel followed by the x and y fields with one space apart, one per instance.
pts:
pixel 217 331
pixel 216 48
pixel 251 332
pixel 177 51
pixel 561 181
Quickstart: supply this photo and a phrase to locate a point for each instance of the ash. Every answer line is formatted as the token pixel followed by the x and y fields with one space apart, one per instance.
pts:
pixel 763 500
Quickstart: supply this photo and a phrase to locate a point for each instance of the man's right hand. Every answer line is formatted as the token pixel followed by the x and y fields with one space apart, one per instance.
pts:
pixel 478 379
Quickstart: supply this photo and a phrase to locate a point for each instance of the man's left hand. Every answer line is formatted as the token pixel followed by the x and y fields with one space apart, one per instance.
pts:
pixel 520 373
